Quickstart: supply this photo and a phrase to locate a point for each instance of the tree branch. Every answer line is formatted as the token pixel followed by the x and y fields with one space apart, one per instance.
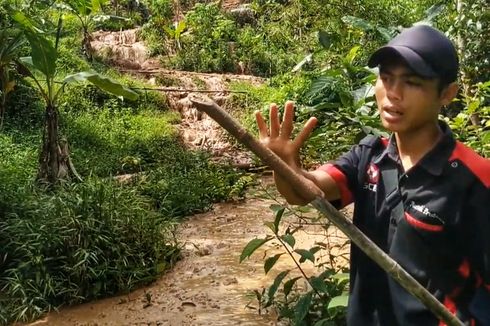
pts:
pixel 173 89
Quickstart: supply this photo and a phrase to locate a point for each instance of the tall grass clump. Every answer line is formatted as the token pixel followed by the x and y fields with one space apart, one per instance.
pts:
pixel 80 242
pixel 188 183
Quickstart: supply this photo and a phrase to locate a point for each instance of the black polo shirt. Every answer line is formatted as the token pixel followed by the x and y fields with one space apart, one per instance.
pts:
pixel 442 239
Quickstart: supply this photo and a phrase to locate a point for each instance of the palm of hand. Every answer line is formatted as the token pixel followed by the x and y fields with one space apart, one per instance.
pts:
pixel 278 136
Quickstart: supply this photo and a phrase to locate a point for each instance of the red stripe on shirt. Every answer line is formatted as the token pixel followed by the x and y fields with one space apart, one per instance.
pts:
pixel 385 141
pixel 428 227
pixel 341 180
pixel 464 269
pixel 478 165
pixel 451 306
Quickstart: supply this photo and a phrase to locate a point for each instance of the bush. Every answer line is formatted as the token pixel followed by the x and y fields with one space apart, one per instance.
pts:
pixel 323 299
pixel 81 242
pixel 119 141
pixel 207 45
pixel 187 183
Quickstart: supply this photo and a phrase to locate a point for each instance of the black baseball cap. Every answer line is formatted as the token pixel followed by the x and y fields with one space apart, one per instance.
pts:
pixel 427 51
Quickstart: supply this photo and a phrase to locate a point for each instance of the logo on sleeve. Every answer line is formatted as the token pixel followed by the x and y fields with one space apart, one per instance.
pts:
pixel 372 173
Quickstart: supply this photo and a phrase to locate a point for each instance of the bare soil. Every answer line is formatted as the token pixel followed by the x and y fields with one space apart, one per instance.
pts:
pixel 128 53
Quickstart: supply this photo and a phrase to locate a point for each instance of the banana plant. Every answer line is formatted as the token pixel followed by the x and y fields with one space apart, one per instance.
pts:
pixel 87 13
pixel 9 46
pixel 175 32
pixel 54 158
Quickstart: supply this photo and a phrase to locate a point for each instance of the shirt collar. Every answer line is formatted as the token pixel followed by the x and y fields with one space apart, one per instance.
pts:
pixel 434 161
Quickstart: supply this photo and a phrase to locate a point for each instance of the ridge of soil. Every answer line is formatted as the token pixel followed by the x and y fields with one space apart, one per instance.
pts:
pixel 127 51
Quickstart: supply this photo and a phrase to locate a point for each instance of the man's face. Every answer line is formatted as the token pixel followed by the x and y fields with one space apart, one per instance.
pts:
pixel 406 102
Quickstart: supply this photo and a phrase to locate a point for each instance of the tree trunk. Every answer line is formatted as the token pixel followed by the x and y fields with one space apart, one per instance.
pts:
pixel 2 109
pixel 87 45
pixel 52 162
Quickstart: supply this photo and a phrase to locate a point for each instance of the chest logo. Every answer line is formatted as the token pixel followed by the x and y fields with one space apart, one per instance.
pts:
pixel 372 173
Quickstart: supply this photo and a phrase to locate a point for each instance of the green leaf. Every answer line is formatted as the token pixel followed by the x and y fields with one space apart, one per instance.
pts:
pixel 349 59
pixel 315 249
pixel 270 262
pixel 305 254
pixel 170 31
pixel 385 33
pixel 271 226
pixel 43 53
pixel 339 301
pixel 27 61
pixel 252 246
pixel 357 23
pixel 325 39
pixel 9 46
pixel 25 22
pixel 104 83
pixel 341 276
pixel 318 284
pixel 277 220
pixel 324 322
pixel 180 28
pixel 485 137
pixel 288 285
pixel 161 267
pixel 289 239
pixel 275 285
pixel 302 308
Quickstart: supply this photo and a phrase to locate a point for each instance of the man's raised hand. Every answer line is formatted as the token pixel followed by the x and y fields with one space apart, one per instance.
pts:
pixel 277 137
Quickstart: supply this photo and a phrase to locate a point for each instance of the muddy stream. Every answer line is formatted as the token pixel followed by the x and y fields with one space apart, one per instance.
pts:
pixel 208 286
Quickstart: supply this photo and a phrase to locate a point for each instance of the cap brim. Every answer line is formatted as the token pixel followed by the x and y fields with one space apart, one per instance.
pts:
pixel 413 60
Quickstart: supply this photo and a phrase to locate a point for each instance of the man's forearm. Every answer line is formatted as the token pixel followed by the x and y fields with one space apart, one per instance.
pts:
pixel 320 178
pixel 288 192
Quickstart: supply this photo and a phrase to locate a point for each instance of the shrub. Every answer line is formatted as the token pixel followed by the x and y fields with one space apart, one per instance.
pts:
pixel 188 182
pixel 323 299
pixel 207 44
pixel 81 242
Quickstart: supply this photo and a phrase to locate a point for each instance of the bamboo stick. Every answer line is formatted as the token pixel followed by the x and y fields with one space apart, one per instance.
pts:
pixel 360 239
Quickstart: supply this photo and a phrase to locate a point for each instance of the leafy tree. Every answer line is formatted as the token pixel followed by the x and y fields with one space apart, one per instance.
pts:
pixel 84 10
pixel 87 13
pixel 54 159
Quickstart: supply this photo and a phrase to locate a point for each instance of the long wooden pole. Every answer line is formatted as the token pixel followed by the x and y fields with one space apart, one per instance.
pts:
pixel 360 239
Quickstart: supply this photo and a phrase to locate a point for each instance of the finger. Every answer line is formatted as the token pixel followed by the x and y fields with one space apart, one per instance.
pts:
pixel 274 121
pixel 305 133
pixel 287 120
pixel 263 132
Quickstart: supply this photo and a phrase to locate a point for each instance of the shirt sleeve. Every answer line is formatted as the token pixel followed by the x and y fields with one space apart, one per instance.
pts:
pixel 345 171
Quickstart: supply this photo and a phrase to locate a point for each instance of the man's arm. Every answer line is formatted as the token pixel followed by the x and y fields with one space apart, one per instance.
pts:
pixel 278 139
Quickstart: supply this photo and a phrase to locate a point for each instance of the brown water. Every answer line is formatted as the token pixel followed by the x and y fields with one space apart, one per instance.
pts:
pixel 208 286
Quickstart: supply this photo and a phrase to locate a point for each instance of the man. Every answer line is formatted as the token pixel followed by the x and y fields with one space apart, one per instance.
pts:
pixel 421 196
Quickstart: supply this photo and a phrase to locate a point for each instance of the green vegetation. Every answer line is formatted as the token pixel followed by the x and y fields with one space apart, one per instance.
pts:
pixel 81 233
pixel 74 236
pixel 324 299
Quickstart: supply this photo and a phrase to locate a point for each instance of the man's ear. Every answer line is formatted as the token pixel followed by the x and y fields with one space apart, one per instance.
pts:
pixel 449 93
